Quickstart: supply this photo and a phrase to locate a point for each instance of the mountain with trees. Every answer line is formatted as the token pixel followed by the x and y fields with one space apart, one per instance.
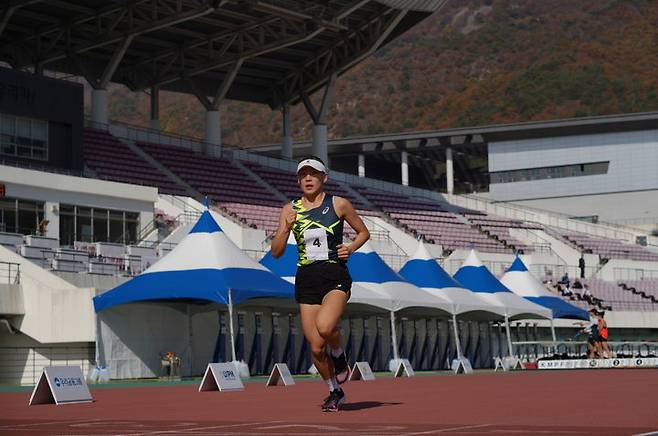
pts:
pixel 474 62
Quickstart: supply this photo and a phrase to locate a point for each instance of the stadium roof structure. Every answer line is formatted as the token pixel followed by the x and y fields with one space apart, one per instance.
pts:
pixel 273 52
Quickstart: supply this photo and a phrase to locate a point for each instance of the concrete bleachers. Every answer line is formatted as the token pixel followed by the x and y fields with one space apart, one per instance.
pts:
pixel 609 248
pixel 236 192
pixel 113 160
pixel 499 228
pixel 215 177
pixel 286 183
pixel 617 298
pixel 646 288
pixel 432 221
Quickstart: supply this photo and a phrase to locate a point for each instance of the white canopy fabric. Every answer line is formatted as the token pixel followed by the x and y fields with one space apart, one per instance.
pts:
pixel 520 281
pixel 476 277
pixel 423 271
pixel 371 272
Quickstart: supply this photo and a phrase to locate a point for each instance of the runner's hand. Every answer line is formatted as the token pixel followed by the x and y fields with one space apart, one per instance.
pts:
pixel 344 251
pixel 290 219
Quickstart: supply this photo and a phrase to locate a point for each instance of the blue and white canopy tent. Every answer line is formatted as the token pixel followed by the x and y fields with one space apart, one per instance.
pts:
pixel 371 272
pixel 205 267
pixel 476 277
pixel 423 271
pixel 520 281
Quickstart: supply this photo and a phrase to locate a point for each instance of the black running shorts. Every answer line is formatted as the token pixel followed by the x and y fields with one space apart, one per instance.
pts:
pixel 314 281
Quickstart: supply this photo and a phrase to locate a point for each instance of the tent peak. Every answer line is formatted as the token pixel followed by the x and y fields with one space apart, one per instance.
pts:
pixel 517 265
pixel 421 252
pixel 206 224
pixel 472 259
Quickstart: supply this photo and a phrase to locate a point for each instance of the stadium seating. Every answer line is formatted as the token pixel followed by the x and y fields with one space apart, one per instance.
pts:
pixel 223 182
pixel 498 228
pixel 646 288
pixel 609 248
pixel 431 220
pixel 617 298
pixel 112 160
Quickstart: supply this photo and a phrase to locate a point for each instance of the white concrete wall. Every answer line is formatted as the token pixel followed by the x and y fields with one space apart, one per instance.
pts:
pixel 624 269
pixel 54 189
pixel 55 310
pixel 11 300
pixel 22 358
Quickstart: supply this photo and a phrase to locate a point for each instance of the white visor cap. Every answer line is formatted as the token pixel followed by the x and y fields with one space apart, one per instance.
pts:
pixel 313 163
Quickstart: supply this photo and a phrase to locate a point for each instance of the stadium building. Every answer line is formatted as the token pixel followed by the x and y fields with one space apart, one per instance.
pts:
pixel 88 204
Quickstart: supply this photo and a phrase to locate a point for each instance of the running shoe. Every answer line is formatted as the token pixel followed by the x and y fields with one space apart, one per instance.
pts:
pixel 335 399
pixel 341 367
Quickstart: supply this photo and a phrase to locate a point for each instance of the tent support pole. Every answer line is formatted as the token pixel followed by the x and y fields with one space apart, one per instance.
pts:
pixel 509 337
pixel 230 325
pixel 553 331
pixel 189 338
pixel 455 330
pixel 394 337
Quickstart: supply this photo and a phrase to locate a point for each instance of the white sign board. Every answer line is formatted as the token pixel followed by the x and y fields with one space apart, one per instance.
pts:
pixel 404 368
pixel 498 364
pixel 61 385
pixel 362 371
pixel 221 376
pixel 280 372
pixel 462 365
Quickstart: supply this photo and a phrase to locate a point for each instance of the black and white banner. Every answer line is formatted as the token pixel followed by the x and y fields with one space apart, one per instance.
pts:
pixel 636 362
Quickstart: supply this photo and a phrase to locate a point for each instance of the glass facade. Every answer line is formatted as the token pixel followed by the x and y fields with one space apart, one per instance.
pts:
pixel 87 224
pixel 26 138
pixel 555 172
pixel 20 216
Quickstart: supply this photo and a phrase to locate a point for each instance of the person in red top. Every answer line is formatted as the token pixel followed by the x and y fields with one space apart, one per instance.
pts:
pixel 603 336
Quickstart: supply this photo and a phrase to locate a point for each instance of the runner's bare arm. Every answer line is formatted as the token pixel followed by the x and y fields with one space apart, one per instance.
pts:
pixel 345 210
pixel 286 220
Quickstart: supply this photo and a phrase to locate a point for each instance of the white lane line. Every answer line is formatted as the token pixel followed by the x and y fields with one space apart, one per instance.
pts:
pixel 446 430
pixel 14 426
pixel 187 430
pixel 651 433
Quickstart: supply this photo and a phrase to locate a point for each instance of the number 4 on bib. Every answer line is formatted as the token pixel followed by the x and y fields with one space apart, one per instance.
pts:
pixel 316 244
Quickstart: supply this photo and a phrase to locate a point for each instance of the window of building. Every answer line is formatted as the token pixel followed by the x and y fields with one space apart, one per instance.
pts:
pixel 555 172
pixel 20 216
pixel 86 224
pixel 26 138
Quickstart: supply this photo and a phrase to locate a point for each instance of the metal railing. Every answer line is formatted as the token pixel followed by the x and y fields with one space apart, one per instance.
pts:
pixel 548 218
pixel 634 273
pixel 10 273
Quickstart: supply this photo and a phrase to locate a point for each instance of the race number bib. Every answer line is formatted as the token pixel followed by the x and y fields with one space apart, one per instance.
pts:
pixel 316 244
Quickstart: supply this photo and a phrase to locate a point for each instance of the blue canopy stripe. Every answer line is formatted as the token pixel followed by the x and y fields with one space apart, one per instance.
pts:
pixel 206 224
pixel 517 265
pixel 286 265
pixel 479 279
pixel 560 308
pixel 204 284
pixel 426 273
pixel 203 266
pixel 370 268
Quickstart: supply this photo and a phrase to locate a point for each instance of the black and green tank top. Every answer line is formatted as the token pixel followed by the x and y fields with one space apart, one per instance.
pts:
pixel 318 232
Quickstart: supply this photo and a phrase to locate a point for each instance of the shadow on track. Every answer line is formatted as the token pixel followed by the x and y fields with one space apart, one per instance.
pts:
pixel 365 405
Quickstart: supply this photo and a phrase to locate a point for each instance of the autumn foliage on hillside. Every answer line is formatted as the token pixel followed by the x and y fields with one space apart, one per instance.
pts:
pixel 475 62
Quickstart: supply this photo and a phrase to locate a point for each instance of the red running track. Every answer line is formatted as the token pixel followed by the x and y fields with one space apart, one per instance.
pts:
pixel 586 402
